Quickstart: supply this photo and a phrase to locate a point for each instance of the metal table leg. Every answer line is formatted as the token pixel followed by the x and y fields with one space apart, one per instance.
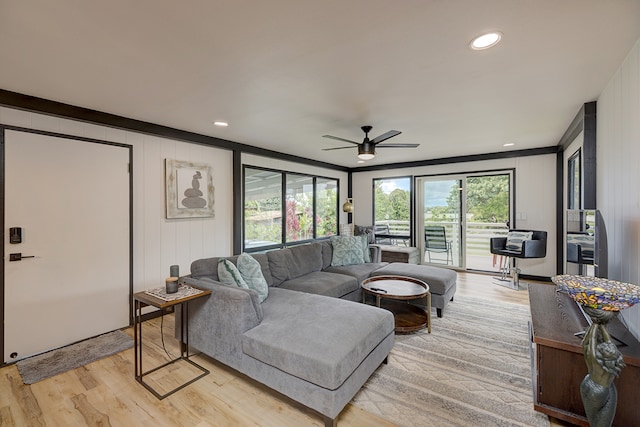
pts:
pixel 184 351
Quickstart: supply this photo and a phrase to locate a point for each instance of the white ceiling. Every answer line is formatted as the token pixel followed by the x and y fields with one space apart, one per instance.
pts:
pixel 285 72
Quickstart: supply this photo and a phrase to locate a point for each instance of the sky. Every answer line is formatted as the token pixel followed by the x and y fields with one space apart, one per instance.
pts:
pixel 436 192
pixel 388 186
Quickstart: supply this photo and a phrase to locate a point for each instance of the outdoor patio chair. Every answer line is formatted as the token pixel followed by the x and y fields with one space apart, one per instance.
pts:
pixel 382 230
pixel 435 240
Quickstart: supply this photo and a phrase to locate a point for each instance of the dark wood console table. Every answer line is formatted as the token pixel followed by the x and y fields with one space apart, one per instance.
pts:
pixel 558 364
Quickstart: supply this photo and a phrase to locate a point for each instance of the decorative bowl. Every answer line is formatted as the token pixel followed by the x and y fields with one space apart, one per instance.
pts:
pixel 598 293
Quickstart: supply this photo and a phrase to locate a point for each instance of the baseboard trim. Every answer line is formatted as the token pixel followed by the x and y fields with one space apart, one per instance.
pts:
pixel 538 278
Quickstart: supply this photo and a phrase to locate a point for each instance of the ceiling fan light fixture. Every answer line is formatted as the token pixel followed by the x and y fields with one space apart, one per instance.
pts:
pixel 366 151
pixel 367 148
pixel 485 41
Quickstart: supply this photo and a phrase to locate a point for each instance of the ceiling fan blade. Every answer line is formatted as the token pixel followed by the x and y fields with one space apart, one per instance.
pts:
pixel 397 145
pixel 335 148
pixel 385 136
pixel 340 139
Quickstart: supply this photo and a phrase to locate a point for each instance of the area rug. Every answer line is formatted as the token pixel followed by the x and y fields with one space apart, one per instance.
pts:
pixel 46 365
pixel 474 369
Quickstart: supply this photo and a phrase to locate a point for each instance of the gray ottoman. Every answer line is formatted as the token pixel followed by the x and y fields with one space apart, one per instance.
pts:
pixel 441 281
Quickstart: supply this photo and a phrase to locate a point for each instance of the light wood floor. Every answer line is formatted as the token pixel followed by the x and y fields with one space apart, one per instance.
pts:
pixel 105 393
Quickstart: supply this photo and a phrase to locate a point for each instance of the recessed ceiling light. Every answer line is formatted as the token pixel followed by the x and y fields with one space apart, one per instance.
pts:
pixel 221 124
pixel 509 144
pixel 360 161
pixel 486 41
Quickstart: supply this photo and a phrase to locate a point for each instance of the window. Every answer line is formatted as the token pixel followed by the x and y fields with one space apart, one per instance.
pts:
pixel 310 208
pixel 392 210
pixel 574 181
pixel 326 211
pixel 299 208
pixel 262 208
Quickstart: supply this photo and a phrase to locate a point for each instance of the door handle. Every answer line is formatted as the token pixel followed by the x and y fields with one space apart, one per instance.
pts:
pixel 18 256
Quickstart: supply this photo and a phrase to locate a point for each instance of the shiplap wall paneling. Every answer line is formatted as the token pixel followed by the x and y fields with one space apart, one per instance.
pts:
pixel 618 176
pixel 157 242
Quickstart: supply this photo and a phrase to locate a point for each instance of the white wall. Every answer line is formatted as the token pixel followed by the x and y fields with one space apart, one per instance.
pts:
pixel 535 197
pixel 158 242
pixel 618 196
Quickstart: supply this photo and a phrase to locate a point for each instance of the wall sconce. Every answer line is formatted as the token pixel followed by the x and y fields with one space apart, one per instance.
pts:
pixel 348 205
pixel 347 229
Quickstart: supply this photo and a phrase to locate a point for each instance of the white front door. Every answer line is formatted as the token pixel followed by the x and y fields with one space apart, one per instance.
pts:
pixel 71 199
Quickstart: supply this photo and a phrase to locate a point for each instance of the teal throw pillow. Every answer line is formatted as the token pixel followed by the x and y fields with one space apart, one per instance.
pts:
pixel 229 274
pixel 365 248
pixel 515 240
pixel 251 272
pixel 347 250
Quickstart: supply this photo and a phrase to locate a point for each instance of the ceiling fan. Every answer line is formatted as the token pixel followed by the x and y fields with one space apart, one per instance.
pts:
pixel 367 148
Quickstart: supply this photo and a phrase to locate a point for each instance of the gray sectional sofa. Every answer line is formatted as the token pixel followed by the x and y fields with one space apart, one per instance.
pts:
pixel 310 339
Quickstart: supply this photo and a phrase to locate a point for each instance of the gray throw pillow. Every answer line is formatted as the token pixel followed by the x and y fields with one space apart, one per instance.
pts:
pixel 229 274
pixel 251 272
pixel 360 230
pixel 347 250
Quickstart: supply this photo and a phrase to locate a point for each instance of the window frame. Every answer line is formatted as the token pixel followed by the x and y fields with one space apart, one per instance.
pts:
pixel 410 180
pixel 283 197
pixel 572 185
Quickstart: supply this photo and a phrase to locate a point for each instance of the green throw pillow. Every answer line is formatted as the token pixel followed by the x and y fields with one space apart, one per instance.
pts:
pixel 251 272
pixel 515 240
pixel 347 250
pixel 229 274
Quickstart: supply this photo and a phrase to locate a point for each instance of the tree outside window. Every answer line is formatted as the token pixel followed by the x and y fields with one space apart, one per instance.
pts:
pixel 299 210
pixel 392 205
pixel 326 207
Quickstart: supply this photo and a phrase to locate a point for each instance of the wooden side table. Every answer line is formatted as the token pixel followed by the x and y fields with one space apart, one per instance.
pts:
pixel 406 254
pixel 144 299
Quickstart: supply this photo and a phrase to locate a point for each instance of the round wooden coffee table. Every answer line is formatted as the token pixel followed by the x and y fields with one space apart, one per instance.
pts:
pixel 394 292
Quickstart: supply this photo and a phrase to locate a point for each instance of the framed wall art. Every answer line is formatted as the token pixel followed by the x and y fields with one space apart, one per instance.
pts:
pixel 189 189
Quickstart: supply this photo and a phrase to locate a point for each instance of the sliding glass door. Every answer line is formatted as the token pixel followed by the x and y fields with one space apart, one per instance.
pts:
pixel 441 224
pixel 487 212
pixel 458 214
